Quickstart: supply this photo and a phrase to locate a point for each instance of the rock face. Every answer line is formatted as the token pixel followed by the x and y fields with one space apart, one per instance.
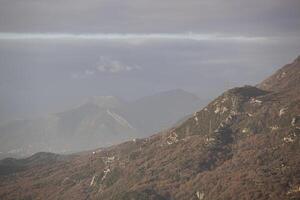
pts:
pixel 243 145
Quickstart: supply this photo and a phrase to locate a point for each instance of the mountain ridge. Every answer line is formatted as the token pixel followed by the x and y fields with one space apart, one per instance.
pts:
pixel 95 122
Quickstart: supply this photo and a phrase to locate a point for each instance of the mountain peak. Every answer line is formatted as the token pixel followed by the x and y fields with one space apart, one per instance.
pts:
pixel 246 91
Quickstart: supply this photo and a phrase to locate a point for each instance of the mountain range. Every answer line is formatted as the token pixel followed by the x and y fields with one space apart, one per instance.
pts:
pixel 243 145
pixel 98 121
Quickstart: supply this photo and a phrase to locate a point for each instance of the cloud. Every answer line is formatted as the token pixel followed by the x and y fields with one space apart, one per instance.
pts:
pixel 83 75
pixel 221 61
pixel 89 72
pixel 129 37
pixel 106 64
pixel 240 17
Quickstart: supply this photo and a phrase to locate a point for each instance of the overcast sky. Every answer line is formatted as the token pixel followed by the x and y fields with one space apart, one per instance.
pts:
pixel 55 53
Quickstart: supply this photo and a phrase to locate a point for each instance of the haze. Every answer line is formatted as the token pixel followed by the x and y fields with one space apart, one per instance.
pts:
pixel 54 54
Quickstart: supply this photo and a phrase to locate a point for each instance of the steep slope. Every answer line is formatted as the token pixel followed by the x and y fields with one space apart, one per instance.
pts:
pixel 243 145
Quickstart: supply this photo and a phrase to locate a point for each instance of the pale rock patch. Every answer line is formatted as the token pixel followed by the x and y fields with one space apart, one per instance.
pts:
pixel 200 195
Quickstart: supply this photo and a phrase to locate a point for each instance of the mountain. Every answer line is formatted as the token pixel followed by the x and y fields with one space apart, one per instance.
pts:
pixel 99 121
pixel 242 145
pixel 91 124
pixel 160 111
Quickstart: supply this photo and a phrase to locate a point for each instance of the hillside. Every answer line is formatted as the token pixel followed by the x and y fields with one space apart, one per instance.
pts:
pixel 243 145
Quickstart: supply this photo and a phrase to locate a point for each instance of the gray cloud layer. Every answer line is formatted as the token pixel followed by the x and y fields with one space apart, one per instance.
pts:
pixel 55 53
pixel 257 17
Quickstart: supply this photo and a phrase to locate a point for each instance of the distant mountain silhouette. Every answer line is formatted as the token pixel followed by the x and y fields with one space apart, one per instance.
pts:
pixel 99 121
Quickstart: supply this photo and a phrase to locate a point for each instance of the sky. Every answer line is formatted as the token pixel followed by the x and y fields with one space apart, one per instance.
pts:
pixel 54 54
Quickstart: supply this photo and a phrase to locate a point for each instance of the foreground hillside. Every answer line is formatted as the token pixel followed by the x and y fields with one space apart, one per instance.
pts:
pixel 243 145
